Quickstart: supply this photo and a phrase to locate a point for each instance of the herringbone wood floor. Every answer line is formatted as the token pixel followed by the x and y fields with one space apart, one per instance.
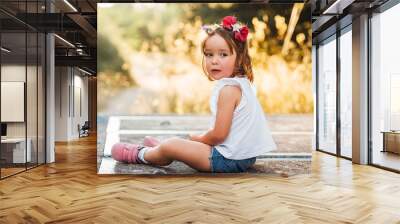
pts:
pixel 70 191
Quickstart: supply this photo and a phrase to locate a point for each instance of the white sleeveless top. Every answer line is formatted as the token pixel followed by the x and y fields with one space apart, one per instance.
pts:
pixel 249 135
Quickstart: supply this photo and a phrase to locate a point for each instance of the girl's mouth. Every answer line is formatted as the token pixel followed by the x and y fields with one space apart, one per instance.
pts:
pixel 215 70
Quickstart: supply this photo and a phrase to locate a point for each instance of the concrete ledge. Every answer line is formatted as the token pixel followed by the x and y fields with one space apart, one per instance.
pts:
pixel 134 128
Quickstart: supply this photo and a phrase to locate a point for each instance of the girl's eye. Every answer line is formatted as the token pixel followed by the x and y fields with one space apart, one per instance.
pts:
pixel 220 54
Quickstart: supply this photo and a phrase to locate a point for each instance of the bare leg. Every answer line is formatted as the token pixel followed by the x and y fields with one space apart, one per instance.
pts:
pixel 150 141
pixel 195 154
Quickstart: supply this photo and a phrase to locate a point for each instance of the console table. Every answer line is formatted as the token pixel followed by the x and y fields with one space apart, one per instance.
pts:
pixel 17 150
pixel 391 141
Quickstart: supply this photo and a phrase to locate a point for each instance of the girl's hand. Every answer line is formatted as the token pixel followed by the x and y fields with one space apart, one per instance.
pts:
pixel 194 137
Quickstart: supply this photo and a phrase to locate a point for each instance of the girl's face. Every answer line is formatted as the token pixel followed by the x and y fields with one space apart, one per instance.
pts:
pixel 220 62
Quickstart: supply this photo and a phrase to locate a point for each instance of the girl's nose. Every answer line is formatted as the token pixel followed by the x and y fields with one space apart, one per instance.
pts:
pixel 214 60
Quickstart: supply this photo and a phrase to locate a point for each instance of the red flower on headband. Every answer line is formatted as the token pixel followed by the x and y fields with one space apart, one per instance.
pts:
pixel 228 21
pixel 241 35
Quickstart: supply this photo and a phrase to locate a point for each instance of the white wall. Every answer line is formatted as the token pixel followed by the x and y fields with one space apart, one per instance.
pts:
pixel 81 100
pixel 71 87
pixel 61 103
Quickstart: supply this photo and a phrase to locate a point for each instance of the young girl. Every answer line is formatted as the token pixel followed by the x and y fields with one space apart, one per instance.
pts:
pixel 240 131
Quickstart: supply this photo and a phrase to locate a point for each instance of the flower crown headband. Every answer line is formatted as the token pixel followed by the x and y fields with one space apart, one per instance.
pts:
pixel 230 23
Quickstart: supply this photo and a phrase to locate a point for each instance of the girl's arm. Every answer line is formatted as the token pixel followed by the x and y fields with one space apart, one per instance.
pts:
pixel 228 99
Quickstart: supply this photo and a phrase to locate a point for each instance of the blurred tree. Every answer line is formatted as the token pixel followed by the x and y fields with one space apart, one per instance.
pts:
pixel 108 53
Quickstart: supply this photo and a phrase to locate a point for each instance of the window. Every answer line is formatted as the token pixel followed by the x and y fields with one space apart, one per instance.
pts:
pixel 395 102
pixel 385 87
pixel 327 95
pixel 346 92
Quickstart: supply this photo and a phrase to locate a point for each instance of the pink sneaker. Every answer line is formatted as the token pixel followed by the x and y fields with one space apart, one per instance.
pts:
pixel 150 141
pixel 126 152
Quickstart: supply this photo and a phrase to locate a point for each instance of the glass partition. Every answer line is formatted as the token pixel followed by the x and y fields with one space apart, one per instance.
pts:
pixel 32 95
pixel 32 86
pixel 22 88
pixel 14 154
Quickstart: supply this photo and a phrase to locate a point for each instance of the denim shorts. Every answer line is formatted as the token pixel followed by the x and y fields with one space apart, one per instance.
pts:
pixel 220 164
